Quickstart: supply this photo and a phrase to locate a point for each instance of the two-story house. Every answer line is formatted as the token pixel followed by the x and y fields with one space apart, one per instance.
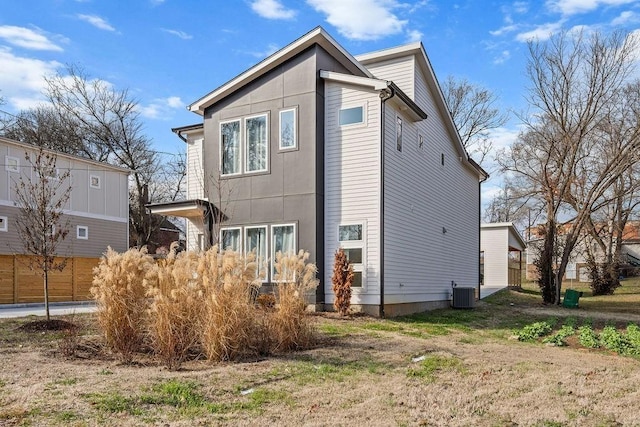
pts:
pixel 97 209
pixel 316 149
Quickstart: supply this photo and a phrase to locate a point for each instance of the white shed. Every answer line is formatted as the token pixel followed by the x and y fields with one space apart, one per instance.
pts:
pixel 501 260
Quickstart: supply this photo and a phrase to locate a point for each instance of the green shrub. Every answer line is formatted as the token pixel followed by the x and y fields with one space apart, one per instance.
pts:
pixel 558 339
pixel 535 330
pixel 588 337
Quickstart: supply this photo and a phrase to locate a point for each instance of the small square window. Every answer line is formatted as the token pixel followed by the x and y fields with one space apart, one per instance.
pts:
pixel 83 232
pixel 351 116
pixel 11 164
pixel 4 223
pixel 94 181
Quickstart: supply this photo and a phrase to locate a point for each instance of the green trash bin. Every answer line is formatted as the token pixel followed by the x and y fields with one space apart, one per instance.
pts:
pixel 571 297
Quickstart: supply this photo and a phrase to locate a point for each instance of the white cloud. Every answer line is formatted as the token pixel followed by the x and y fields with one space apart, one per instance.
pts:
pixel 624 18
pixel 503 30
pixel 27 38
pixel 361 19
pixel 272 9
pixel 521 7
pixel 96 21
pixel 21 79
pixel 414 36
pixel 573 7
pixel 502 58
pixel 177 33
pixel 160 108
pixel 541 33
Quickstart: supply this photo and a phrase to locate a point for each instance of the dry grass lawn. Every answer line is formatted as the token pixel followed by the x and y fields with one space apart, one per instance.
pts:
pixel 442 368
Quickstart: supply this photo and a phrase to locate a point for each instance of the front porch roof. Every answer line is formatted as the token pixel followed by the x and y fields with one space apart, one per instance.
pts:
pixel 194 208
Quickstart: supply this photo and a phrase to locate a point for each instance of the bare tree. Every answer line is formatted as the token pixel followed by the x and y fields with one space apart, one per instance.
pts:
pixel 40 225
pixel 560 159
pixel 474 112
pixel 108 122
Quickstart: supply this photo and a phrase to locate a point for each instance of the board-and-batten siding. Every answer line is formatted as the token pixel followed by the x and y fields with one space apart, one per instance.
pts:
pixel 422 199
pixel 496 256
pixel 352 182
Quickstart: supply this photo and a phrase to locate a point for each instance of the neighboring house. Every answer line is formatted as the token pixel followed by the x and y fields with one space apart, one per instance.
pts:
pixel 161 238
pixel 577 267
pixel 316 149
pixel 98 208
pixel 501 253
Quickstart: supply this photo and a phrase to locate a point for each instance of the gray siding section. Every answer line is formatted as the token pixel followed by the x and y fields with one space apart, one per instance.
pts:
pixel 292 189
pixel 102 233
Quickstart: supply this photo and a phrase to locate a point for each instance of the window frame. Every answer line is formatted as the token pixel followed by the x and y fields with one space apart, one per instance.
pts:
pixel 421 141
pixel 221 149
pixel 10 168
pixel 295 129
pixel 265 261
pixel 399 133
pixel 221 239
pixel 86 232
pixel 351 107
pixel 98 185
pixel 356 244
pixel 272 248
pixel 244 138
pixel 4 223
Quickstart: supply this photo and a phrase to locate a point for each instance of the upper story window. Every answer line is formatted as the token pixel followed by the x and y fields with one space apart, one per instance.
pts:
pixel 230 148
pixel 399 133
pixel 94 181
pixel 256 143
pixel 351 116
pixel 11 164
pixel 244 149
pixel 288 131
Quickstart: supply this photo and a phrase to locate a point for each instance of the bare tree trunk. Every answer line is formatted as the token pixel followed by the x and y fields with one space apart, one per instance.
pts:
pixel 46 293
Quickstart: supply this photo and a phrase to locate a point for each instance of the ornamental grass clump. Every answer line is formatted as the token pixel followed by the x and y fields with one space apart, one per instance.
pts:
pixel 230 329
pixel 342 279
pixel 295 277
pixel 175 316
pixel 119 289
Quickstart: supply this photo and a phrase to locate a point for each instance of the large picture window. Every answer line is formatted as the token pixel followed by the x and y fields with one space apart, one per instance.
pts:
pixel 230 239
pixel 288 137
pixel 230 148
pixel 351 237
pixel 255 239
pixel 257 143
pixel 283 239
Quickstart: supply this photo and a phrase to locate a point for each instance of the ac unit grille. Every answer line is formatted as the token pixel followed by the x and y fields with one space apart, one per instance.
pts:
pixel 464 297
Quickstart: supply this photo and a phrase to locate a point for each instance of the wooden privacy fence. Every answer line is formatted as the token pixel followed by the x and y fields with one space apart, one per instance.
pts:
pixel 19 284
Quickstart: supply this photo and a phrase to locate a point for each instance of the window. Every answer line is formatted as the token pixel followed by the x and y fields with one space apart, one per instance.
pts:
pixel 256 143
pixel 256 240
pixel 283 239
pixel 352 242
pixel 11 164
pixel 288 137
pixel 94 181
pixel 399 133
pixel 442 159
pixel 421 141
pixel 230 238
pixel 4 223
pixel 351 116
pixel 230 147
pixel 82 232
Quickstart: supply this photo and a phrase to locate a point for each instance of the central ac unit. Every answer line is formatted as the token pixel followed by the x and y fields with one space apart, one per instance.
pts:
pixel 464 297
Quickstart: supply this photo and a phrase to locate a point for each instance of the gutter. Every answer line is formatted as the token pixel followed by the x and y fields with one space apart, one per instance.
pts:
pixel 385 95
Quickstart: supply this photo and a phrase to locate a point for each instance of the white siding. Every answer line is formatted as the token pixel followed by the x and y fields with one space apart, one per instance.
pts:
pixel 398 70
pixel 195 171
pixel 195 227
pixel 422 199
pixel 494 243
pixel 352 182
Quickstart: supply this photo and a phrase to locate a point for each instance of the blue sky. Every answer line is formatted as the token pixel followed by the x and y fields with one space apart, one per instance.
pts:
pixel 169 53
